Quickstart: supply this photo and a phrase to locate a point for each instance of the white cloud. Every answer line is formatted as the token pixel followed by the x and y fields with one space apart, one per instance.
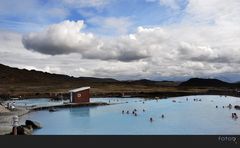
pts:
pixel 67 37
pixel 205 43
pixel 111 25
pixel 173 4
pixel 86 3
pixel 96 4
pixel 28 15
pixel 186 49
pixel 215 11
pixel 170 3
pixel 30 10
pixel 60 38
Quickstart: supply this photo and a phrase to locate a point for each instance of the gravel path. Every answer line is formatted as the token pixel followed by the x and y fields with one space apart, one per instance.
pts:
pixel 6 118
pixel 3 109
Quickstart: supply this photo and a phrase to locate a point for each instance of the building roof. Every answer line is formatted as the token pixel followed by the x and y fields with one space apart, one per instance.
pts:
pixel 79 89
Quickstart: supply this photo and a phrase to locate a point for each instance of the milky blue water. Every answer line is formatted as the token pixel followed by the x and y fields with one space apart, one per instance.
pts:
pixel 181 117
pixel 32 102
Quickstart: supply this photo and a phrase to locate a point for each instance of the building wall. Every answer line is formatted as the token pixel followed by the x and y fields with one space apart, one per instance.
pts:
pixel 81 96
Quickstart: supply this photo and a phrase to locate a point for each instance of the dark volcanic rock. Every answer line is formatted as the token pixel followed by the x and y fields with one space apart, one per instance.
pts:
pixel 27 129
pixel 34 124
pixel 23 130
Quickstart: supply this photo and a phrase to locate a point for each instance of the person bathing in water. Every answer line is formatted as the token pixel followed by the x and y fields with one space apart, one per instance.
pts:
pixel 234 116
pixel 230 106
pixel 151 119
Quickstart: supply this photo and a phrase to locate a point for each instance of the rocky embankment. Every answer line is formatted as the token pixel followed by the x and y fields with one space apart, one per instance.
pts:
pixel 6 118
pixel 27 129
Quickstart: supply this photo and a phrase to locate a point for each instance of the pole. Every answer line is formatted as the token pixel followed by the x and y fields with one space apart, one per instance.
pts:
pixel 15 124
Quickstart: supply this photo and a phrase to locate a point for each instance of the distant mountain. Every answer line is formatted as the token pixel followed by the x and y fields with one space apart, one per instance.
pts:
pixel 151 82
pixel 99 80
pixel 206 83
pixel 9 75
pixel 145 81
pixel 38 84
pixel 22 80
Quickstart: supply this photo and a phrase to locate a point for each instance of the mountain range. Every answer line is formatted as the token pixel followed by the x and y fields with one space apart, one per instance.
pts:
pixel 15 81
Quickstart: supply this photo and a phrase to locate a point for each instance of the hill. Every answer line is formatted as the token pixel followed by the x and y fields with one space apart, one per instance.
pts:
pixel 15 82
pixel 199 82
pixel 9 75
pixel 151 82
pixel 36 84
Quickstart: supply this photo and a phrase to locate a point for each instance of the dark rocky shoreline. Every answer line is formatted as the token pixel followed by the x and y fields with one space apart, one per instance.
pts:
pixel 152 94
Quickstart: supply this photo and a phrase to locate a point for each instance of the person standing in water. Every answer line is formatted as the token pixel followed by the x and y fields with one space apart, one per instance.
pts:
pixel 230 106
pixel 151 119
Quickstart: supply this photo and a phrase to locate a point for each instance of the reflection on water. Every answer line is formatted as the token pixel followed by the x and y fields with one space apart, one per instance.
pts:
pixel 192 115
pixel 85 112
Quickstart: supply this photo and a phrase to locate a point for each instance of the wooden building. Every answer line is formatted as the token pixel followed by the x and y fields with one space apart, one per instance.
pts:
pixel 80 95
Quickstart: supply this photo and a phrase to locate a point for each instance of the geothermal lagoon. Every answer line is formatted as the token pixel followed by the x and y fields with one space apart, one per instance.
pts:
pixel 188 115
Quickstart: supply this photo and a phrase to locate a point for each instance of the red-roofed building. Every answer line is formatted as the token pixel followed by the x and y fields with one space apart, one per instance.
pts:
pixel 80 95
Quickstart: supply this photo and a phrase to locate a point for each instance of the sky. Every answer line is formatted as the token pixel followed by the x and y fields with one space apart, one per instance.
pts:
pixel 123 39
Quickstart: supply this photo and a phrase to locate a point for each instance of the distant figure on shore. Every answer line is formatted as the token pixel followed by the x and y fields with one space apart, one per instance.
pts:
pixel 151 119
pixel 162 115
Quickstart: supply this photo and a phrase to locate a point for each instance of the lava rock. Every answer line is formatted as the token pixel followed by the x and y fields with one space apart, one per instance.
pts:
pixel 23 130
pixel 34 124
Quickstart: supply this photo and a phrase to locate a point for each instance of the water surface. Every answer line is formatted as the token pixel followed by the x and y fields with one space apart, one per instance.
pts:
pixel 181 117
pixel 38 102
